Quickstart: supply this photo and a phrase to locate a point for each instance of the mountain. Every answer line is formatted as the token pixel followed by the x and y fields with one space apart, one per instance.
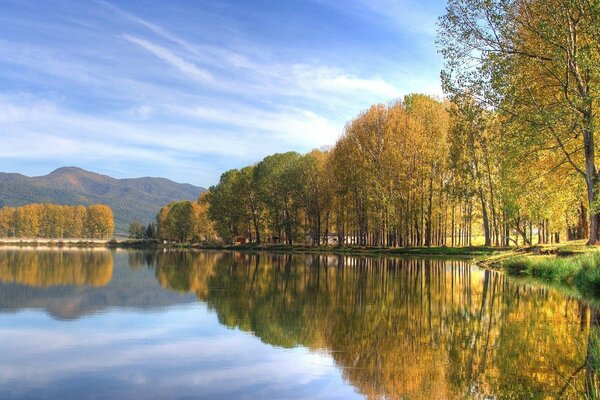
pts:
pixel 131 199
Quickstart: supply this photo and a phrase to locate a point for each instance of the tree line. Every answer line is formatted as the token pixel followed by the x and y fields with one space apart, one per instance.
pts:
pixel 508 156
pixel 137 230
pixel 417 172
pixel 57 221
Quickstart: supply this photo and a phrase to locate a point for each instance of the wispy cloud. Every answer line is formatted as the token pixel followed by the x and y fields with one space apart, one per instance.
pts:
pixel 146 89
pixel 171 58
pixel 181 350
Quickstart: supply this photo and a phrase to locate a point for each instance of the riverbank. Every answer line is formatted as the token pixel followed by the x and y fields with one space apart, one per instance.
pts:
pixel 469 251
pixel 572 264
pixel 42 242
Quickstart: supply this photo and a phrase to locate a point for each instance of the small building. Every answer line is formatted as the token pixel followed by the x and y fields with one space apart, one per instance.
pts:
pixel 240 240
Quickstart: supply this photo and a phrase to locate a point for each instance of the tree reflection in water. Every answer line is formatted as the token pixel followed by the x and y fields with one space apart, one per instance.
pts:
pixel 397 328
pixel 56 267
pixel 403 328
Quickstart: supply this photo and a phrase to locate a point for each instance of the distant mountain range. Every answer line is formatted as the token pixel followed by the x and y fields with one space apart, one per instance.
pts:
pixel 131 199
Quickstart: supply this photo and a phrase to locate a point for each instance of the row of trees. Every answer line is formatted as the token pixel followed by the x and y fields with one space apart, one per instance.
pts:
pixel 417 172
pixel 509 156
pixel 57 221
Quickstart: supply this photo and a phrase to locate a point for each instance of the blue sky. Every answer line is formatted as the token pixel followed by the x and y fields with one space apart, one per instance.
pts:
pixel 189 89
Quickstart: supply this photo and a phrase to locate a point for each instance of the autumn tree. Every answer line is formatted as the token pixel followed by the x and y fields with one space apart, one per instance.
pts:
pixel 56 221
pixel 204 230
pixel 100 221
pixel 537 62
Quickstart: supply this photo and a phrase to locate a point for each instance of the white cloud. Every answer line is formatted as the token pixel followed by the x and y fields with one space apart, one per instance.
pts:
pixel 222 104
pixel 291 125
pixel 179 351
pixel 142 111
pixel 171 58
pixel 333 80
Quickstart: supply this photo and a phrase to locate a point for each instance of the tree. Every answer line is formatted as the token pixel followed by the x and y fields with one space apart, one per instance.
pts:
pixel 537 62
pixel 225 206
pixel 136 230
pixel 278 180
pixel 151 232
pixel 178 221
pixel 100 221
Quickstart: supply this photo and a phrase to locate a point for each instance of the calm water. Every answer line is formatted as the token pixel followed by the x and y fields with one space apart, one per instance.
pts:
pixel 98 324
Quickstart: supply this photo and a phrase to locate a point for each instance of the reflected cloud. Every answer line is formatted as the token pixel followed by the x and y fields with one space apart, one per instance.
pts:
pixel 298 326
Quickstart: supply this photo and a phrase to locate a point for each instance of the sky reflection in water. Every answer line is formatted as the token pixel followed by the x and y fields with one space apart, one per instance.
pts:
pixel 100 324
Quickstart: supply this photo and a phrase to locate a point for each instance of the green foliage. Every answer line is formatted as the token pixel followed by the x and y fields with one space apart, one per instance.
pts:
pixel 137 230
pixel 178 223
pixel 227 209
pixel 279 181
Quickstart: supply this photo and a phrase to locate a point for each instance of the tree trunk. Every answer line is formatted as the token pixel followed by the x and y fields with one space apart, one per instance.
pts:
pixel 591 178
pixel 429 211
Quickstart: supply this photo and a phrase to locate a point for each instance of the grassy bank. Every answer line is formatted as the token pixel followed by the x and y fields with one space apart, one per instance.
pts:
pixel 573 264
pixel 473 251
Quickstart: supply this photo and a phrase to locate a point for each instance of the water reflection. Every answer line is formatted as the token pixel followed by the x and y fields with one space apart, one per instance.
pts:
pixel 416 328
pixel 71 283
pixel 396 328
pixel 56 267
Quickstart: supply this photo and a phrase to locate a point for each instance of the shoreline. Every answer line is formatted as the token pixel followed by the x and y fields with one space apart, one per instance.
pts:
pixel 467 251
pixel 572 265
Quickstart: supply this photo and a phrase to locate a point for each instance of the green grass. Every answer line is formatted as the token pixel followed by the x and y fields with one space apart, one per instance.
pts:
pixel 472 251
pixel 581 271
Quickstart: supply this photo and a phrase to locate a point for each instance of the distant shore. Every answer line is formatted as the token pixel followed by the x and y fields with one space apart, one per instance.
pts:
pixel 54 242
pixel 468 251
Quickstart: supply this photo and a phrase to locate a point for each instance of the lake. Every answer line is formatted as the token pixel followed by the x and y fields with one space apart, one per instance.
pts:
pixel 103 324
